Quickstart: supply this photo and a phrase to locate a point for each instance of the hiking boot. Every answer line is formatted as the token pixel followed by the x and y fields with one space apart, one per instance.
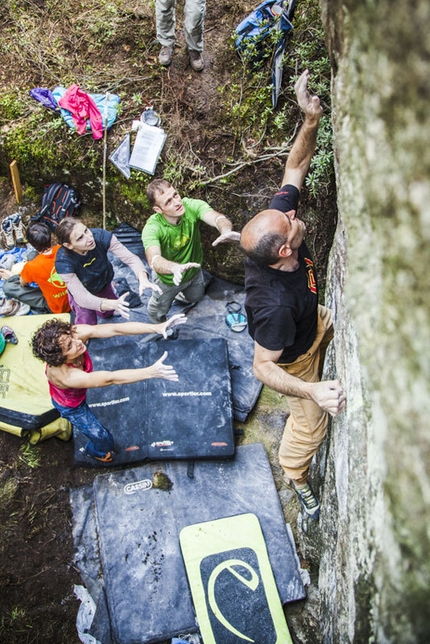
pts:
pixel 18 229
pixel 9 334
pixel 196 60
pixel 308 500
pixel 165 55
pixel 7 233
pixel 107 458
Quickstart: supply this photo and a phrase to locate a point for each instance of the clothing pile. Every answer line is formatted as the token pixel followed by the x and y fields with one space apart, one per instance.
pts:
pixel 81 111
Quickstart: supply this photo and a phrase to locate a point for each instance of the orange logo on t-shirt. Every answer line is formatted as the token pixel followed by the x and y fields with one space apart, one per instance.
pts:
pixel 312 285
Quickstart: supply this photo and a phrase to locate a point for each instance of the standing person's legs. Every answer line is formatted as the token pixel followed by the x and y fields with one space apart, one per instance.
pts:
pixel 194 17
pixel 165 16
pixel 89 316
pixel 100 440
pixel 27 294
pixel 306 426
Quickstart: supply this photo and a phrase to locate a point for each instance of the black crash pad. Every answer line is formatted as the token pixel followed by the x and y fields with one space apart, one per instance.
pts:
pixel 160 419
pixel 232 584
pixel 138 526
pixel 205 320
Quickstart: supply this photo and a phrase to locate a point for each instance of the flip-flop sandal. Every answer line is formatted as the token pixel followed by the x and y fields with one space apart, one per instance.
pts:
pixel 235 320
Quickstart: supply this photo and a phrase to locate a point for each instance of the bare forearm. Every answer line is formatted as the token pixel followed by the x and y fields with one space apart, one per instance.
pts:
pixel 223 224
pixel 120 377
pixel 119 328
pixel 302 151
pixel 161 265
pixel 328 395
pixel 280 380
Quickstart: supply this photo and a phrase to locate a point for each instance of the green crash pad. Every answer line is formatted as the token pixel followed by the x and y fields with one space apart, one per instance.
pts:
pixel 232 583
pixel 25 403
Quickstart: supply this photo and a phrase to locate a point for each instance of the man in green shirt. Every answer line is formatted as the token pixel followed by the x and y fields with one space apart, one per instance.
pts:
pixel 171 238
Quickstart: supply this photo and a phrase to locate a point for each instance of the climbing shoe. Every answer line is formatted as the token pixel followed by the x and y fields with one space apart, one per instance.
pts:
pixel 165 55
pixel 308 500
pixel 107 458
pixel 7 233
pixel 18 229
pixel 9 334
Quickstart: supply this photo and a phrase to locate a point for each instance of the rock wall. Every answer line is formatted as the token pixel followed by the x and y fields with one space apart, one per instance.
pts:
pixel 373 538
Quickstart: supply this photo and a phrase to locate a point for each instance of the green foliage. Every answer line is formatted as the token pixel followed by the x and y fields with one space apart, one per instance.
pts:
pixel 247 98
pixel 8 619
pixel 321 171
pixel 29 456
pixel 133 192
pixel 41 142
pixel 8 490
pixel 108 45
pixel 11 107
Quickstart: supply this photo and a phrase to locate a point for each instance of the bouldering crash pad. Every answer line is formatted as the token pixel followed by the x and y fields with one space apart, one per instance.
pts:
pixel 161 419
pixel 25 404
pixel 232 584
pixel 140 513
pixel 205 320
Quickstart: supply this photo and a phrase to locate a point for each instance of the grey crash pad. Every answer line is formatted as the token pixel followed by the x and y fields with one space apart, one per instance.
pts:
pixel 205 320
pixel 162 419
pixel 138 530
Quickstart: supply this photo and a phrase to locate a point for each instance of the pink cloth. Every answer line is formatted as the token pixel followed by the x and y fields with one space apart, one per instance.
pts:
pixel 71 397
pixel 82 107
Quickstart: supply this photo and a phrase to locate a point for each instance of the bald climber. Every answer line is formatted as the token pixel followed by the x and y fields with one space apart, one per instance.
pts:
pixel 290 329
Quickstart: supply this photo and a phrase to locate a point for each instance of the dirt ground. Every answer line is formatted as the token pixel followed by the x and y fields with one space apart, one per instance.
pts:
pixel 36 551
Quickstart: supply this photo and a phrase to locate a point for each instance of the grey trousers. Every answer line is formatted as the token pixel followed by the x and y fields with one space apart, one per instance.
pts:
pixel 160 303
pixel 27 294
pixel 194 16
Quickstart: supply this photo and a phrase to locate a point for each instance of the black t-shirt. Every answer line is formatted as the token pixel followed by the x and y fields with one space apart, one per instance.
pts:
pixel 282 306
pixel 93 269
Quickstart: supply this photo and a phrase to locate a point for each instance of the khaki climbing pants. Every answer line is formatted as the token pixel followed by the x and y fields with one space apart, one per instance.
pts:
pixel 194 16
pixel 306 426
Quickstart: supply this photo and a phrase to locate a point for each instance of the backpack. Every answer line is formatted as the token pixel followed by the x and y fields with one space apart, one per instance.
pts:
pixel 271 16
pixel 58 201
pixel 257 25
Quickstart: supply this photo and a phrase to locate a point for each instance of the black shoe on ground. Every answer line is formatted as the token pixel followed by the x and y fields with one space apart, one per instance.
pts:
pixel 308 500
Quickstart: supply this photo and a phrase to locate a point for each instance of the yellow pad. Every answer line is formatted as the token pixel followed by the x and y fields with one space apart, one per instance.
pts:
pixel 25 403
pixel 232 584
